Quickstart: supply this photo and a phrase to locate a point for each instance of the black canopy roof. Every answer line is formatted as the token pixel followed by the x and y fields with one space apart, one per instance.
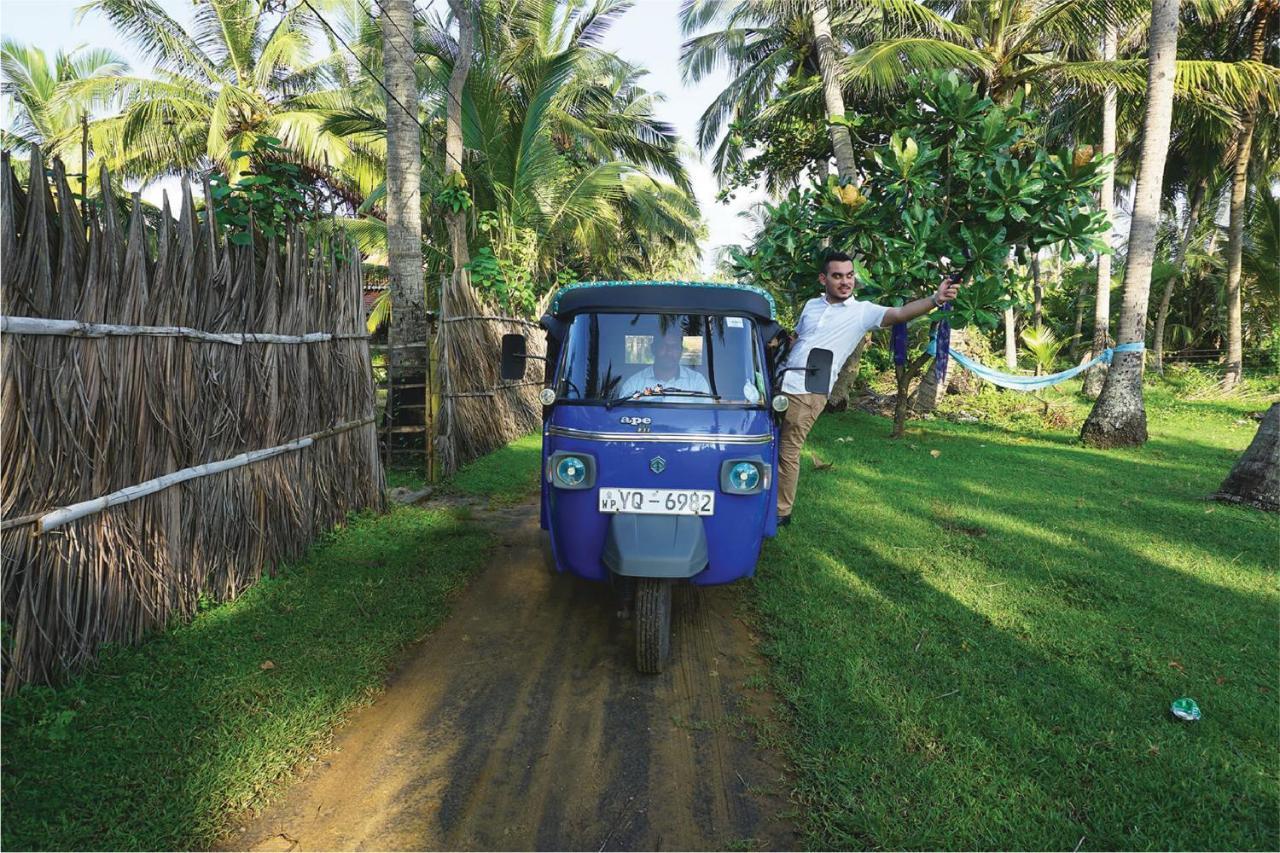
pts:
pixel 667 297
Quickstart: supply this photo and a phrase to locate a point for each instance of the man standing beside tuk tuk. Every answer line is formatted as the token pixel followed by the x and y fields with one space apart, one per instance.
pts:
pixel 834 321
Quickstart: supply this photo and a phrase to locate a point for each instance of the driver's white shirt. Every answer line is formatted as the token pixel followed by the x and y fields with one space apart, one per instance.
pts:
pixel 687 379
pixel 837 327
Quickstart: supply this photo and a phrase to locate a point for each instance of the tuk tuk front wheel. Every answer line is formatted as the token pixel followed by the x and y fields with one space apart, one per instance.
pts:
pixel 653 624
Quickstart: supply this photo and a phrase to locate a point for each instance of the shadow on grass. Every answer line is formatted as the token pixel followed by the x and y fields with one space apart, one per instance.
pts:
pixel 979 649
pixel 158 744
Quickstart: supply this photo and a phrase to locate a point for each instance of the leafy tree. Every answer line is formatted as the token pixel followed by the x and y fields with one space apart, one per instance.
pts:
pixel 267 198
pixel 785 252
pixel 959 176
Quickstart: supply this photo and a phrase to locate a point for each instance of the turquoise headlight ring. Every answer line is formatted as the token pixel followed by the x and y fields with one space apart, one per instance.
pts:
pixel 745 476
pixel 571 471
pixel 567 470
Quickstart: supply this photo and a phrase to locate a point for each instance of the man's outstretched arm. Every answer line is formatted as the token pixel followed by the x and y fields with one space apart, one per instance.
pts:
pixel 905 313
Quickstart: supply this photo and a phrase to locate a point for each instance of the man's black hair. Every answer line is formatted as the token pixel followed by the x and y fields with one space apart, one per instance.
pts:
pixel 829 257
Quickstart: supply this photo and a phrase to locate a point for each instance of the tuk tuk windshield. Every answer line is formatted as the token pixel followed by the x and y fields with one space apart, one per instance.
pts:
pixel 661 358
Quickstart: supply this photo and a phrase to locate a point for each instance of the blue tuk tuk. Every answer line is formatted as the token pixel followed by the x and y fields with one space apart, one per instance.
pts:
pixel 660 437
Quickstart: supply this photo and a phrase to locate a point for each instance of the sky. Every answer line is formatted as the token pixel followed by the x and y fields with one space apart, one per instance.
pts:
pixel 648 35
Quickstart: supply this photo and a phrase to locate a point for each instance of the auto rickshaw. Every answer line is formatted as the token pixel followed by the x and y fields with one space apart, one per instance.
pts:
pixel 660 437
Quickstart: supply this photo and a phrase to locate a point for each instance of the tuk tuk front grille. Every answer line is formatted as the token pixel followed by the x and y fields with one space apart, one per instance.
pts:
pixel 666 437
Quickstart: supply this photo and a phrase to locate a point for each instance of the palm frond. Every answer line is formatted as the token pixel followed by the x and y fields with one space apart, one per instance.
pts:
pixel 379 311
pixel 591 27
pixel 898 18
pixel 885 65
pixel 1074 21
pixel 696 14
pixel 158 36
pixel 744 96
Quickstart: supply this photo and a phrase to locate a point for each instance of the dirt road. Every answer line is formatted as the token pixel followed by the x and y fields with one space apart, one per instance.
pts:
pixel 522 724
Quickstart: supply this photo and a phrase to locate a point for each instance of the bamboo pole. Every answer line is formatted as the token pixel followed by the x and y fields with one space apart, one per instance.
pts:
pixel 58 517
pixel 76 329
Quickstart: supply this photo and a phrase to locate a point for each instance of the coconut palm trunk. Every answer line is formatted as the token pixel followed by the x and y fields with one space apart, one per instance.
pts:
pixel 456 295
pixel 1078 327
pixel 1162 314
pixel 829 64
pixel 1262 12
pixel 1037 292
pixel 457 222
pixel 1255 478
pixel 932 388
pixel 1010 338
pixel 842 145
pixel 1119 417
pixel 1106 199
pixel 407 333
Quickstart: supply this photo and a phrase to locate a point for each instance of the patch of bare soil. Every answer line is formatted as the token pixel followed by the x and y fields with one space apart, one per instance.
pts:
pixel 522 724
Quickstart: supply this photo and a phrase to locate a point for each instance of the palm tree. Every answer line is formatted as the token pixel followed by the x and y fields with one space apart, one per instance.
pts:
pixel 1260 265
pixel 456 219
pixel 563 158
pixel 240 74
pixel 563 148
pixel 1118 417
pixel 408 336
pixel 828 63
pixel 44 113
pixel 1255 478
pixel 767 48
pixel 1259 16
pixel 1106 199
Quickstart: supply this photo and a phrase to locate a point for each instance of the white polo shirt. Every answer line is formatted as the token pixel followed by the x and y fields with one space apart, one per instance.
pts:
pixel 687 379
pixel 836 327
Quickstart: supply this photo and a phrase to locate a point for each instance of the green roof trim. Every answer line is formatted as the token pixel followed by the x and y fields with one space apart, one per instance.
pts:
pixel 723 285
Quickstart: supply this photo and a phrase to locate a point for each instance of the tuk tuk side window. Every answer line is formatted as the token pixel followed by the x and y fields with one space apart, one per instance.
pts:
pixel 609 356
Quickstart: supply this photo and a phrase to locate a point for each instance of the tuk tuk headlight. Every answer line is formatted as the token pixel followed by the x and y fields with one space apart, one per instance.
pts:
pixel 744 476
pixel 571 470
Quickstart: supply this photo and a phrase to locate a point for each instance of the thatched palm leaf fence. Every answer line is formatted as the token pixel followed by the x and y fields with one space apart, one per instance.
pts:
pixel 177 415
pixel 480 412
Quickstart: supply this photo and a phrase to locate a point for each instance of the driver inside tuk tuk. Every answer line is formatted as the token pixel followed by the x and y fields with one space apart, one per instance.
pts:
pixel 666 372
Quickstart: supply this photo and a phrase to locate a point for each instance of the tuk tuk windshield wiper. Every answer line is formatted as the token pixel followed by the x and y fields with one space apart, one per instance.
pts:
pixel 660 392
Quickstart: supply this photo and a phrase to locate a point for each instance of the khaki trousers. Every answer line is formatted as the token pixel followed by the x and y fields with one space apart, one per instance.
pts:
pixel 802 411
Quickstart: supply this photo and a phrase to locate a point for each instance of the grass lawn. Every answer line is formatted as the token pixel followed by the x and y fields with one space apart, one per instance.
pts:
pixel 976 648
pixel 507 476
pixel 159 744
pixel 978 630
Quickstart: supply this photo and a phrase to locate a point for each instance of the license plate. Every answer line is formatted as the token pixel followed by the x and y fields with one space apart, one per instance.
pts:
pixel 658 501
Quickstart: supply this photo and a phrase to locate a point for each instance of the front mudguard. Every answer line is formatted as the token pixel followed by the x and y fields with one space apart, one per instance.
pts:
pixel 655 546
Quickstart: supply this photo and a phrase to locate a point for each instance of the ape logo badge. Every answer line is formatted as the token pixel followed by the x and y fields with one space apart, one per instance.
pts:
pixel 635 421
pixel 657 464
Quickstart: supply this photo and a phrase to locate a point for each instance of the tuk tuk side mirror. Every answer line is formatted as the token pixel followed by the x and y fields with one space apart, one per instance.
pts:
pixel 513 357
pixel 817 372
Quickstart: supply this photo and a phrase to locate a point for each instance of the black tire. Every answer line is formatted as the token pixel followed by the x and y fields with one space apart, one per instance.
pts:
pixel 653 624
